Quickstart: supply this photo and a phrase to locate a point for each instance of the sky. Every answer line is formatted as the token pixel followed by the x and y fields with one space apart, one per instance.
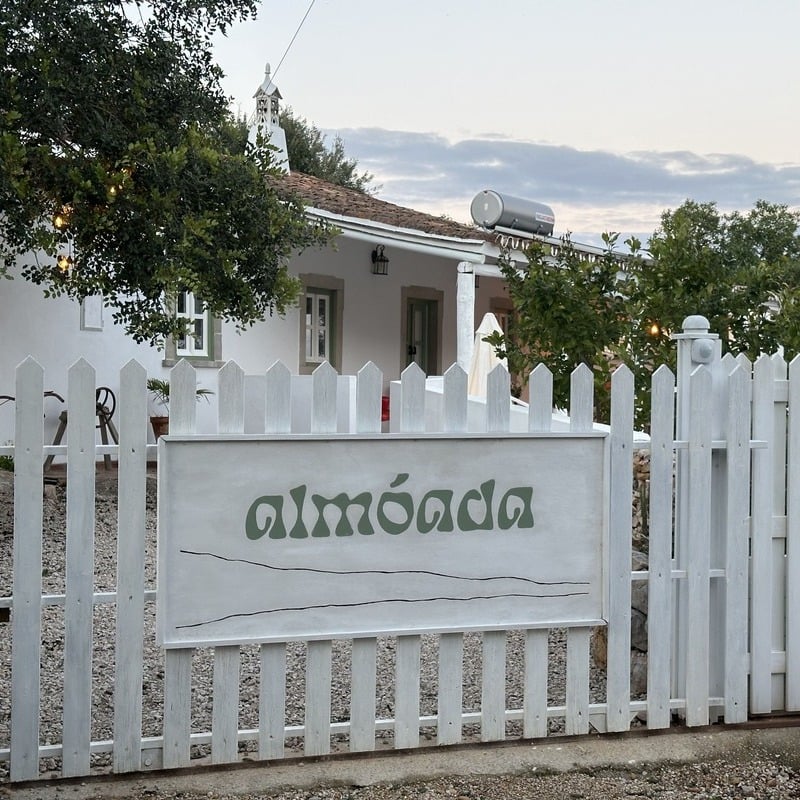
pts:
pixel 608 111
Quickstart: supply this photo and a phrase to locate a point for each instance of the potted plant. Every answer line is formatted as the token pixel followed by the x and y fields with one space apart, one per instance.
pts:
pixel 159 388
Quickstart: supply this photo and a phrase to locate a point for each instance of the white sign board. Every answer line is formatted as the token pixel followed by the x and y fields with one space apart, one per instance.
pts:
pixel 271 538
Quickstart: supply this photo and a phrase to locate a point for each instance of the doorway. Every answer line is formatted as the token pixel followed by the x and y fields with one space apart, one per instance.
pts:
pixel 422 329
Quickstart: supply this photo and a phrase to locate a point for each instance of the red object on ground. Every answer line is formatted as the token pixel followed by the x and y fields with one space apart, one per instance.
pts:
pixel 385 408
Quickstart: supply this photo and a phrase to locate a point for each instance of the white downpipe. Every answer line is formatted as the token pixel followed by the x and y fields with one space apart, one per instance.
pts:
pixel 465 315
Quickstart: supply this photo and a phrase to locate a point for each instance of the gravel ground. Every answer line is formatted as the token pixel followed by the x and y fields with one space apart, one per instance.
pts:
pixel 762 774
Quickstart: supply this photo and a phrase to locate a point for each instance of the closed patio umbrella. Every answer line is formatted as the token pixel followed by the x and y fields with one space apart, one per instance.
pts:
pixel 484 357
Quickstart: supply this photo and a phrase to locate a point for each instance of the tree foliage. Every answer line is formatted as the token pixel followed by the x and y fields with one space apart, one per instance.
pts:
pixel 305 144
pixel 565 309
pixel 120 162
pixel 740 270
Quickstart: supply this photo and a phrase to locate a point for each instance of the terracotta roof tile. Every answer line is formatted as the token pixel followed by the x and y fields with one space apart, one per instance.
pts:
pixel 321 194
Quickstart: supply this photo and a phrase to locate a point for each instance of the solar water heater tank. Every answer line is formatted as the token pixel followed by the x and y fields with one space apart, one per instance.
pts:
pixel 491 209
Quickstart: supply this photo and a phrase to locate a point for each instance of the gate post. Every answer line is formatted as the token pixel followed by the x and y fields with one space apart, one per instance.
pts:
pixel 696 346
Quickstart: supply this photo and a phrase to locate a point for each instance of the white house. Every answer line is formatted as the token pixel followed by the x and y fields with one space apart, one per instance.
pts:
pixel 397 286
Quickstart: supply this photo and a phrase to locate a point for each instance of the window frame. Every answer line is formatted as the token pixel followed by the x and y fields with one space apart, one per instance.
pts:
pixel 211 356
pixel 315 287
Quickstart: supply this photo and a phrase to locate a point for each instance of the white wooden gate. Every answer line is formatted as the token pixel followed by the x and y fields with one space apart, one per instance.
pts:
pixel 723 633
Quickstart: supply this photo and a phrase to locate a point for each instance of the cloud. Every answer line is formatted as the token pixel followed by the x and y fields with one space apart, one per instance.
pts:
pixel 590 191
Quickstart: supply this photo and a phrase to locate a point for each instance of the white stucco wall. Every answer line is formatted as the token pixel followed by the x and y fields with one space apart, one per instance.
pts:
pixel 49 329
pixel 373 304
pixel 372 312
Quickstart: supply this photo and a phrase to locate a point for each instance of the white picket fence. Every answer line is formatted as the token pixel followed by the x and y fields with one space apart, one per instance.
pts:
pixel 724 595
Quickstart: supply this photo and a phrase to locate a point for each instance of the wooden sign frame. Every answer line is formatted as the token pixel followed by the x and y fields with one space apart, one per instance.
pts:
pixel 271 538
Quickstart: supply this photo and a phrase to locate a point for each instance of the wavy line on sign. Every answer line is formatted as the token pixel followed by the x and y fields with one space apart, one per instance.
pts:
pixel 383 571
pixel 376 603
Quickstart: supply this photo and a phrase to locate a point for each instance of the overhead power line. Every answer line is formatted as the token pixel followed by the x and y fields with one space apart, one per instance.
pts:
pixel 305 16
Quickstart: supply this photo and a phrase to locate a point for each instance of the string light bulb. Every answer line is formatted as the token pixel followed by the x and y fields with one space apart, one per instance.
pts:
pixel 64 263
pixel 62 217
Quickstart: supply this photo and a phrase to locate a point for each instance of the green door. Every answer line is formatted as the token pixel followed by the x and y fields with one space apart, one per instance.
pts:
pixel 421 334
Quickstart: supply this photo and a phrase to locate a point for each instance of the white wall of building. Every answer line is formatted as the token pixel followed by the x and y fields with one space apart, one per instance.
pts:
pixel 50 329
pixel 372 311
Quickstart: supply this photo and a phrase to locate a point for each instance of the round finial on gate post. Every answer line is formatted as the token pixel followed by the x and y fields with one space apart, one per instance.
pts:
pixel 696 323
pixel 703 351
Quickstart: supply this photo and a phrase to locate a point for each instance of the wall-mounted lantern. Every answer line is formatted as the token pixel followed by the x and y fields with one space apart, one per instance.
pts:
pixel 380 262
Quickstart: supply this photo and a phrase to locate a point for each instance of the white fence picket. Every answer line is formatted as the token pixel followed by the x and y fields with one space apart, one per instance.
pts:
pixel 225 695
pixel 493 687
pixel 178 662
pixel 581 399
pixel 177 707
pixel 323 399
pixel 498 403
pixel 618 684
pixel 761 540
pixel 80 570
pixel 319 654
pixel 369 382
pixel 540 409
pixel 698 556
pixel 362 694
pixel 577 683
pixel 183 398
pixel 451 683
pixel 778 549
pixel 793 542
pixel 412 400
pixel 131 490
pixel 581 411
pixel 406 700
pixel 278 404
pixel 534 718
pixel 26 621
pixel 493 684
pixel 318 698
pixel 272 701
pixel 455 400
pixel 659 585
pixel 534 706
pixel 534 713
pixel 736 549
pixel 231 399
pixel 225 708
